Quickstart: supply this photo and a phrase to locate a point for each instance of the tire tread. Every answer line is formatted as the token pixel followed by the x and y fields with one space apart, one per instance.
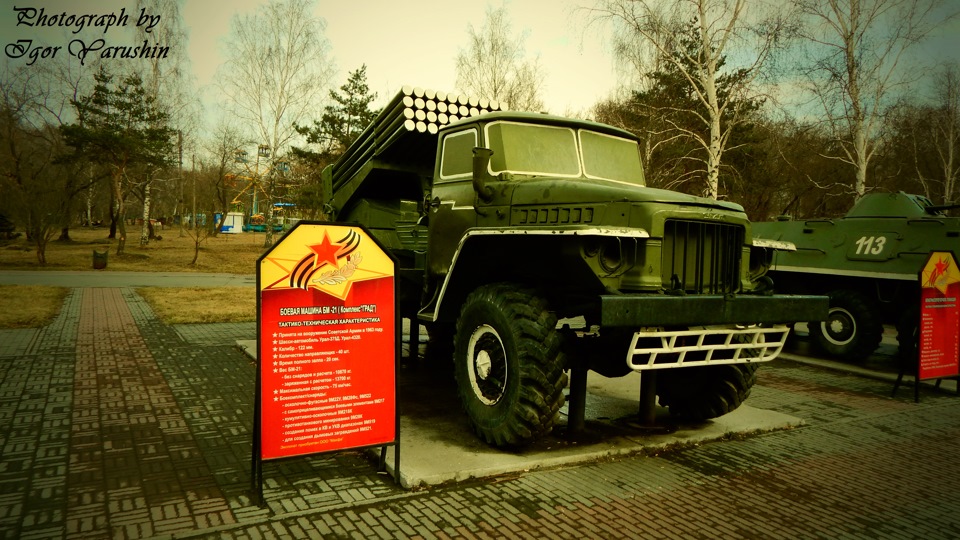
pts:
pixel 542 378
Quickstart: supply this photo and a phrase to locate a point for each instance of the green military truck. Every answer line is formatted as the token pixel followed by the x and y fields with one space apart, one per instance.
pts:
pixel 868 263
pixel 529 247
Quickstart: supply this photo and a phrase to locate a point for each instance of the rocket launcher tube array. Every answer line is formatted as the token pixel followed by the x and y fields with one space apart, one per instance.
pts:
pixel 412 114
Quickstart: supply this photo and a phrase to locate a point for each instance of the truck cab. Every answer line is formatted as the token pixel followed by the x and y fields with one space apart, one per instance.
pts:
pixel 562 202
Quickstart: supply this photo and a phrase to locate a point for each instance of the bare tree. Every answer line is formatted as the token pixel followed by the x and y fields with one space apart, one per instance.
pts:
pixel 858 47
pixel 946 134
pixel 275 75
pixel 720 27
pixel 30 194
pixel 119 126
pixel 637 59
pixel 200 229
pixel 494 65
pixel 921 141
pixel 221 150
pixel 169 82
pixel 38 187
pixel 60 81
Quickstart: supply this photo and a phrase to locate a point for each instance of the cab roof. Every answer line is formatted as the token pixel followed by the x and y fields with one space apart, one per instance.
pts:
pixel 539 118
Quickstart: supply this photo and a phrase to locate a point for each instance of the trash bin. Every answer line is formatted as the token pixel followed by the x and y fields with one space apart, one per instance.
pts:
pixel 99 260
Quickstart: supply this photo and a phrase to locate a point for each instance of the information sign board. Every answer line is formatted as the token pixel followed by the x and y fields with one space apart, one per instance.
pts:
pixel 939 330
pixel 327 342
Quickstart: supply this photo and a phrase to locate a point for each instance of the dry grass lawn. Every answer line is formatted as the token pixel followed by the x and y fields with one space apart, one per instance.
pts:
pixel 202 305
pixel 227 253
pixel 36 306
pixel 29 306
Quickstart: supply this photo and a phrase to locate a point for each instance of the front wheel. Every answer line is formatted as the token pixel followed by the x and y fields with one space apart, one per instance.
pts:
pixel 853 327
pixel 508 363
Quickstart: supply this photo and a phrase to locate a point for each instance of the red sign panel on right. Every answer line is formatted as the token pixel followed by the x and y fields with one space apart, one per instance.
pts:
pixel 939 332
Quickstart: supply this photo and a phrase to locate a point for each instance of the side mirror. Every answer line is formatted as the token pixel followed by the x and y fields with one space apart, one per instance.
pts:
pixel 481 164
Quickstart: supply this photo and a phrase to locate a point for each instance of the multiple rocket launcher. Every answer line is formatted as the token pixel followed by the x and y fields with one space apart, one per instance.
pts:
pixel 406 127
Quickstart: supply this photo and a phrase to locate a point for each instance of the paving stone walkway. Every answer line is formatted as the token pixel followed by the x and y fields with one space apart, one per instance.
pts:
pixel 114 425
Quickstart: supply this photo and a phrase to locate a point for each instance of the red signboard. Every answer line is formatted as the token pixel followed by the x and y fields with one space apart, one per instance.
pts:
pixel 327 343
pixel 939 331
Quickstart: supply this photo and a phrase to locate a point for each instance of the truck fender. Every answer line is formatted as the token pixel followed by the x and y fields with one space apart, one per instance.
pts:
pixel 433 313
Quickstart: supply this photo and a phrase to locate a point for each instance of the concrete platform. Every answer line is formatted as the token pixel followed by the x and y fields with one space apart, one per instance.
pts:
pixel 437 444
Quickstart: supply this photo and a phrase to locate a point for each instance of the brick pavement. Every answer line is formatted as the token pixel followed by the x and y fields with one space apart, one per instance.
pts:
pixel 134 463
pixel 113 425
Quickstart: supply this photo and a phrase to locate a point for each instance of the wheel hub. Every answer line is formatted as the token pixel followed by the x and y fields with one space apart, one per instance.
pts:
pixel 840 328
pixel 484 365
pixel 487 365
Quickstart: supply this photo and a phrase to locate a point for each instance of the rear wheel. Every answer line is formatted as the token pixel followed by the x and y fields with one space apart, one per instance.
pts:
pixel 702 393
pixel 508 363
pixel 852 330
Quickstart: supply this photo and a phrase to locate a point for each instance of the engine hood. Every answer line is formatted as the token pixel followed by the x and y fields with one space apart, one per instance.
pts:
pixel 581 191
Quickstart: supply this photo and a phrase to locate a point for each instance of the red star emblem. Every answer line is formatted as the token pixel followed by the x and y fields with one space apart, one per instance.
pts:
pixel 325 252
pixel 940 268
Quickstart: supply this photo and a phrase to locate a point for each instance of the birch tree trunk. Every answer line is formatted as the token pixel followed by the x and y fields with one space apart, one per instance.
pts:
pixel 145 226
pixel 275 75
pixel 859 45
pixel 121 211
pixel 721 28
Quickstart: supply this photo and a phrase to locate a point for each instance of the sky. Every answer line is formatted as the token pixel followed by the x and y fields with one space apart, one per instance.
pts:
pixel 402 42
pixel 415 43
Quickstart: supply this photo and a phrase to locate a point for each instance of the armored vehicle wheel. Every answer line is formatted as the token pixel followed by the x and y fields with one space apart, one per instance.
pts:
pixel 852 330
pixel 702 393
pixel 509 365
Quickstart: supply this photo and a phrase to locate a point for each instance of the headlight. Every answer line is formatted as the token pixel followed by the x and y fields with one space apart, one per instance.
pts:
pixel 611 254
pixel 607 250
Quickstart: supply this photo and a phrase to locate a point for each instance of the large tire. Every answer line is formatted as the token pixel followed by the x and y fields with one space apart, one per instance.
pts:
pixel 852 330
pixel 508 363
pixel 702 393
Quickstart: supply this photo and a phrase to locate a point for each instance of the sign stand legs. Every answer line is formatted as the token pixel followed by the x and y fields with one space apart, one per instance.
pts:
pixel 256 464
pixel 382 465
pixel 915 361
pixel 916 382
pixel 937 386
pixel 258 478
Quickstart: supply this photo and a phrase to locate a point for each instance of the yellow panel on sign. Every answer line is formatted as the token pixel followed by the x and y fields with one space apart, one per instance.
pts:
pixel 327 258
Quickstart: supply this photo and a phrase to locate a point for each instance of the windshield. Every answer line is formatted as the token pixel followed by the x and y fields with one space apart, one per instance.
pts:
pixel 539 150
pixel 532 149
pixel 611 158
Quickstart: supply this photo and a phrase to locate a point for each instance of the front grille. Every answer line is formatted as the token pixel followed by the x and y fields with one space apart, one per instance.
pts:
pixel 701 257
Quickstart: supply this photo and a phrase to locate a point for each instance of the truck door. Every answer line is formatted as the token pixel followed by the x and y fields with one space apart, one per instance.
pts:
pixel 452 210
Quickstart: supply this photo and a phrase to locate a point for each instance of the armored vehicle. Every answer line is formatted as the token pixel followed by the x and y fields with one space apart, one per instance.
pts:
pixel 867 262
pixel 529 247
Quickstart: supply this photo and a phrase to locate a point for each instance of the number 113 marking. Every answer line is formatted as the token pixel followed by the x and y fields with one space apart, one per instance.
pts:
pixel 871 245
